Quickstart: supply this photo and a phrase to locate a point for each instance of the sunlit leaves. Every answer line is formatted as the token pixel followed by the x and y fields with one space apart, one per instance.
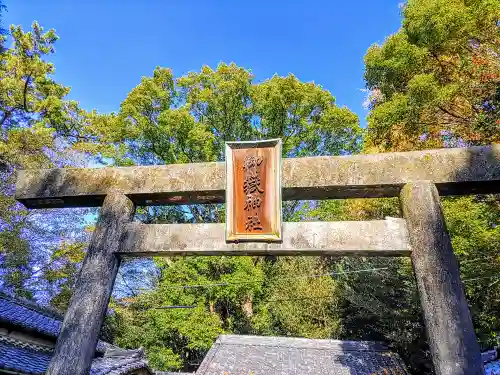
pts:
pixel 166 120
pixel 444 62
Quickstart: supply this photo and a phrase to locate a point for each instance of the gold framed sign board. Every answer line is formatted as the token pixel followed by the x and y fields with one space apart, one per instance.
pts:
pixel 253 191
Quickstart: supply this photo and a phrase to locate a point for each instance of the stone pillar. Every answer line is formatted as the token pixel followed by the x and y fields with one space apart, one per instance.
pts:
pixel 451 337
pixel 82 323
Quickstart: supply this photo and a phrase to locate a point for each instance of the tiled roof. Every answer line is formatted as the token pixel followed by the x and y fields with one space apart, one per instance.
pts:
pixel 33 359
pixel 24 315
pixel 241 355
pixel 16 355
pixel 19 357
pixel 119 363
pixel 27 315
pixel 491 362
pixel 492 368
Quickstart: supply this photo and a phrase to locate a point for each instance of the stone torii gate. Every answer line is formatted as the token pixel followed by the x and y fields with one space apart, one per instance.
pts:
pixel 417 178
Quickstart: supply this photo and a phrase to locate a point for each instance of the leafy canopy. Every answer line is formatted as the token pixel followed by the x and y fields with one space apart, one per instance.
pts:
pixel 38 126
pixel 166 120
pixel 437 76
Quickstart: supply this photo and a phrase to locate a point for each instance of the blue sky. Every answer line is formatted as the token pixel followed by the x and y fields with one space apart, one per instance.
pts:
pixel 105 47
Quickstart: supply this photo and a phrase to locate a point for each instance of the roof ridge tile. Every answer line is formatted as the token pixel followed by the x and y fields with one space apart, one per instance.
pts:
pixel 34 306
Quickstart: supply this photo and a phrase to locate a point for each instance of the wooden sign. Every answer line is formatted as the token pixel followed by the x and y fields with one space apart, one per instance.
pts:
pixel 253 191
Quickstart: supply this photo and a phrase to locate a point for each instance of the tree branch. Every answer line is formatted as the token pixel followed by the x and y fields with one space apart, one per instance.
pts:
pixel 126 284
pixel 451 114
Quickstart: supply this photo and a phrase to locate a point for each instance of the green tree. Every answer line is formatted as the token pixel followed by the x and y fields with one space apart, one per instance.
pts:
pixel 167 120
pixel 438 75
pixel 377 297
pixel 179 338
pixel 436 83
pixel 384 305
pixel 300 299
pixel 474 225
pixel 61 271
pixel 38 129
pixel 432 84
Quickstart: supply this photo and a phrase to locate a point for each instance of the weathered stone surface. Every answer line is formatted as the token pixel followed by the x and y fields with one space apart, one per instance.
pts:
pixel 450 333
pixel 77 341
pixel 375 238
pixel 454 171
pixel 245 355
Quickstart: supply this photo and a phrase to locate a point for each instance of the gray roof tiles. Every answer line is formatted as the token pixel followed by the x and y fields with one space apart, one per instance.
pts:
pixel 302 343
pixel 17 313
pixel 19 356
pixel 119 362
pixel 244 355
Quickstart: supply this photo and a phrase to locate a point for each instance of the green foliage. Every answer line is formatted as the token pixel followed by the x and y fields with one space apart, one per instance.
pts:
pixel 173 337
pixel 166 120
pixel 474 225
pixel 440 72
pixel 305 117
pixel 26 90
pixel 383 305
pixel 297 304
pixel 176 338
pixel 61 272
pixel 377 297
pixel 229 294
pixel 37 127
pixel 434 83
pixel 221 100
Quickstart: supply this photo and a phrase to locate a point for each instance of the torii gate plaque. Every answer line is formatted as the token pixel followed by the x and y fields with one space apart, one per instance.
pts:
pixel 253 191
